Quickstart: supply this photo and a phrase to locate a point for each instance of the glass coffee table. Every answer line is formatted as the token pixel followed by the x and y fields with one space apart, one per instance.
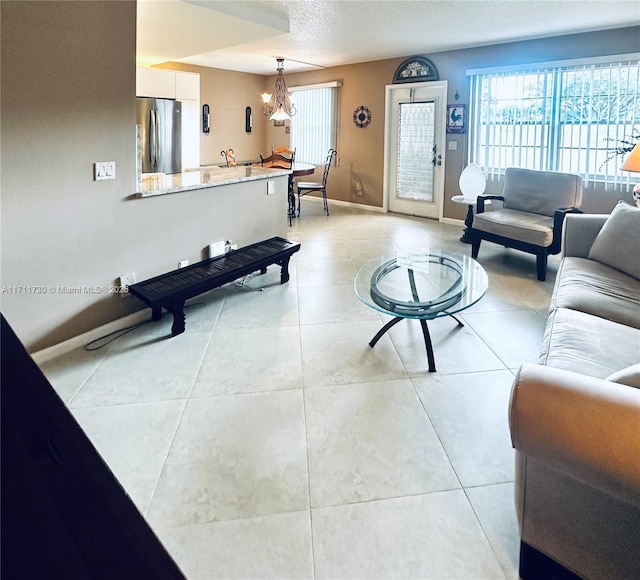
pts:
pixel 420 284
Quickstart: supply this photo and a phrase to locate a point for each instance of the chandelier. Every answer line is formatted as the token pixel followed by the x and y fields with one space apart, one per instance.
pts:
pixel 280 107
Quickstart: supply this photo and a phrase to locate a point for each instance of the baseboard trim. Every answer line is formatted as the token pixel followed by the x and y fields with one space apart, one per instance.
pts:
pixel 51 352
pixel 347 204
pixel 444 220
pixel 452 221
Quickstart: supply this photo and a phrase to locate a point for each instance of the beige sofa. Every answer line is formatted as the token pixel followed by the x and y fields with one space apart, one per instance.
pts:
pixel 577 432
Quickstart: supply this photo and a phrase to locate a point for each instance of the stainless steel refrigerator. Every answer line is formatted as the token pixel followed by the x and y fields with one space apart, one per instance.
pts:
pixel 160 123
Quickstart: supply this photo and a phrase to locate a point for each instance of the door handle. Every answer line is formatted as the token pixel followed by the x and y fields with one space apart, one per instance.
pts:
pixel 152 139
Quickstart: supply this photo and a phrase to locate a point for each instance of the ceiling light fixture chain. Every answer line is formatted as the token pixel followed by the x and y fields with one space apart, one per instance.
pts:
pixel 280 107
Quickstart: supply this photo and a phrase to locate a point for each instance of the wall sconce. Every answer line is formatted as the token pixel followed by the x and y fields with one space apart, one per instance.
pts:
pixel 280 107
pixel 248 120
pixel 206 119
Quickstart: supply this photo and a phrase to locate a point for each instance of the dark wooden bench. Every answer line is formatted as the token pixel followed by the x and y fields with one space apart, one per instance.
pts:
pixel 171 290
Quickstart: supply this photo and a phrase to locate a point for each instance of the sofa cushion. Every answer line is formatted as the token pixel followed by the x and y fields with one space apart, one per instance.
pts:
pixel 618 243
pixel 594 288
pixel 628 376
pixel 532 228
pixel 579 342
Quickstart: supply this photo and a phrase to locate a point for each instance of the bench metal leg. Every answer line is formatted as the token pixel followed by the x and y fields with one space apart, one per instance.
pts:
pixel 179 318
pixel 284 269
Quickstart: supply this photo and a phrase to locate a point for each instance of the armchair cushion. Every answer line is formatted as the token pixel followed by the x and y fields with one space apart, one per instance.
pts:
pixel 618 242
pixel 532 228
pixel 541 192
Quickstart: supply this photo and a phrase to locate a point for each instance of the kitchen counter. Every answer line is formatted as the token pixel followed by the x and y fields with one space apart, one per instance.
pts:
pixel 162 184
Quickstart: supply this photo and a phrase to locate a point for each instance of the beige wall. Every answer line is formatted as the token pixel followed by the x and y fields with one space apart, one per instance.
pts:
pixel 68 88
pixel 68 100
pixel 228 93
pixel 361 150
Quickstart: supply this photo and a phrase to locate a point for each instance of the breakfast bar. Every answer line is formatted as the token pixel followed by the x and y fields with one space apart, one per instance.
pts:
pixel 153 184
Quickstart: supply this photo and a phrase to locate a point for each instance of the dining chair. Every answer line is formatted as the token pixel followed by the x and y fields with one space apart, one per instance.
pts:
pixel 305 187
pixel 281 159
pixel 276 160
pixel 290 153
pixel 531 218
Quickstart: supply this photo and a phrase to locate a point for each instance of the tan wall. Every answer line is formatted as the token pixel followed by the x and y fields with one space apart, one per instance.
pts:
pixel 360 151
pixel 68 100
pixel 228 93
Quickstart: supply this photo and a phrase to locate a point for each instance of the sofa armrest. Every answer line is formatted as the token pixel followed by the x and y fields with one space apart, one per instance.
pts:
pixel 583 427
pixel 579 232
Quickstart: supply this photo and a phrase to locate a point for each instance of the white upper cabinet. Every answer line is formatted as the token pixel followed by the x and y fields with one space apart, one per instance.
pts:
pixel 187 86
pixel 167 84
pixel 155 82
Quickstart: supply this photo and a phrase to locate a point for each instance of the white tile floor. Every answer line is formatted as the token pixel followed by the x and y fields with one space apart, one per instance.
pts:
pixel 270 441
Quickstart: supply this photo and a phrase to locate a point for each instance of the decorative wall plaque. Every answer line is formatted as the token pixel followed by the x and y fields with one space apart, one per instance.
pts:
pixel 415 69
pixel 456 118
pixel 362 116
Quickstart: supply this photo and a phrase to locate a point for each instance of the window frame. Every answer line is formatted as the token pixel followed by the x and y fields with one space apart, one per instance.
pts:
pixel 549 147
pixel 317 157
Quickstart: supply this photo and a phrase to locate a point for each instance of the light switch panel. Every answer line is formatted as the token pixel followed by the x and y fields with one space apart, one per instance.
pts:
pixel 104 170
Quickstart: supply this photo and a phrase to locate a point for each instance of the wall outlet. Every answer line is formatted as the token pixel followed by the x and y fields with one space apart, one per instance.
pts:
pixel 217 249
pixel 271 187
pixel 104 170
pixel 183 263
pixel 124 282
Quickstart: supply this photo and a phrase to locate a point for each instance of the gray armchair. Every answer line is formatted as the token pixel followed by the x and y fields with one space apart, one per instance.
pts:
pixel 534 206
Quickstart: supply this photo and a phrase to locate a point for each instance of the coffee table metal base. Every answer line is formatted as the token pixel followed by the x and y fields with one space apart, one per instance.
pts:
pixel 425 332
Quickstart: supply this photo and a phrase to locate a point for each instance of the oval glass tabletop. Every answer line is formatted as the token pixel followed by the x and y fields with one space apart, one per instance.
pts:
pixel 421 283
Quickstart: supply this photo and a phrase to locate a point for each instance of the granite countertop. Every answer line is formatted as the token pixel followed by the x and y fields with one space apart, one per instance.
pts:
pixel 162 184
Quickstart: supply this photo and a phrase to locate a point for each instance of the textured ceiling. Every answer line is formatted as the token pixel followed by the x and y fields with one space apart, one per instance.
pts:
pixel 249 35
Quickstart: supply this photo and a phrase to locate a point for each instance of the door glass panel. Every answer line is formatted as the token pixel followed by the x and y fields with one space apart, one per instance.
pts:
pixel 416 141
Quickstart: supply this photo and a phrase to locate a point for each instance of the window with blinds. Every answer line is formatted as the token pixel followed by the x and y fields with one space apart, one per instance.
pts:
pixel 566 117
pixel 314 126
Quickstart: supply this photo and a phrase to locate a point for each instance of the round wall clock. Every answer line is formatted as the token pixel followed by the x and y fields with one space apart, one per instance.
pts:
pixel 362 116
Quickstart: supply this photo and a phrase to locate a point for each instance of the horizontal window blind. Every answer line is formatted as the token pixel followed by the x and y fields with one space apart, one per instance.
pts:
pixel 313 128
pixel 567 118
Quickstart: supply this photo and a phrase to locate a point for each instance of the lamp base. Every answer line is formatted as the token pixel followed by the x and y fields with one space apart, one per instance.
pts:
pixel 636 194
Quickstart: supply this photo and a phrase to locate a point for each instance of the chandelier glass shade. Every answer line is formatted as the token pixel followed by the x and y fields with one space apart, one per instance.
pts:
pixel 279 107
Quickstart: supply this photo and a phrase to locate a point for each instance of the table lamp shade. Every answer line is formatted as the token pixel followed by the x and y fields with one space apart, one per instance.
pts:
pixel 632 163
pixel 472 182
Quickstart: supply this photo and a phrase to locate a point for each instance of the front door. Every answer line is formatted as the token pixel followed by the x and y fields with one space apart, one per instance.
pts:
pixel 414 148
